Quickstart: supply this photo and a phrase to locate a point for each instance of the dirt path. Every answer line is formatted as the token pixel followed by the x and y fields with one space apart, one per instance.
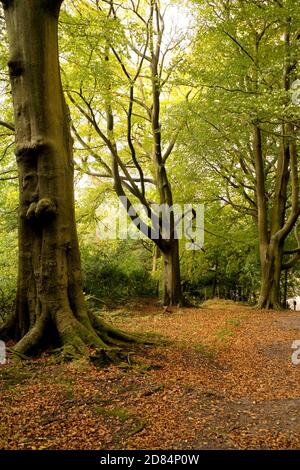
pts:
pixel 225 381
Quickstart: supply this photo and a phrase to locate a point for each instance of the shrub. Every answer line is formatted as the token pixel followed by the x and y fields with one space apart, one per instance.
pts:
pixel 115 271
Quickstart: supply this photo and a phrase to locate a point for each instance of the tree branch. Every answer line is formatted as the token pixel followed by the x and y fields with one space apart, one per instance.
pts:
pixel 8 125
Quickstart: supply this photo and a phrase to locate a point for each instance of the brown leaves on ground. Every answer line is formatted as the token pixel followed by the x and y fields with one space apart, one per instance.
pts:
pixel 224 381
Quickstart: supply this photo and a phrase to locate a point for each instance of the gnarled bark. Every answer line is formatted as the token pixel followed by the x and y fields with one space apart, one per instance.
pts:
pixel 270 277
pixel 50 299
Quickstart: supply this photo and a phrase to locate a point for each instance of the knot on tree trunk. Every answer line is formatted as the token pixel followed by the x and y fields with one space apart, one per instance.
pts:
pixel 15 67
pixel 44 208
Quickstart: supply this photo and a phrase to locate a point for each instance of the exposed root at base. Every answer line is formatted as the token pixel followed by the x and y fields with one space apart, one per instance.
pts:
pixel 77 340
pixel 267 306
pixel 111 356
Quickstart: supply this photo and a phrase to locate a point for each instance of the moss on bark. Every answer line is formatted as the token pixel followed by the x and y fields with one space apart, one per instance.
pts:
pixel 50 305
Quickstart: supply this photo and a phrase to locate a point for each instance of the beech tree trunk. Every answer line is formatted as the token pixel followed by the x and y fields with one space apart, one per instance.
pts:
pixel 271 262
pixel 50 304
pixel 172 293
pixel 276 224
pixel 272 234
pixel 130 179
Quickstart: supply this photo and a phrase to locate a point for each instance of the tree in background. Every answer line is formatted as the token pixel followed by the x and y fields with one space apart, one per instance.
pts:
pixel 247 127
pixel 131 77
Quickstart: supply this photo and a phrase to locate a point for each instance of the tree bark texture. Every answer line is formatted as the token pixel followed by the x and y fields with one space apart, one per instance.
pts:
pixel 50 303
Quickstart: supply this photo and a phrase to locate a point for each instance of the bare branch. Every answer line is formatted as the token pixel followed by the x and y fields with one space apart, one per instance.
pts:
pixel 8 125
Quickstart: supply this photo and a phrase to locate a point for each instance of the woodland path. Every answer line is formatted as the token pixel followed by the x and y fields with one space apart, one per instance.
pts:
pixel 224 381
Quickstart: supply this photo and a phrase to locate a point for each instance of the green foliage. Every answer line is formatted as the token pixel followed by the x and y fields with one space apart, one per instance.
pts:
pixel 8 248
pixel 8 190
pixel 8 273
pixel 115 271
pixel 229 265
pixel 213 92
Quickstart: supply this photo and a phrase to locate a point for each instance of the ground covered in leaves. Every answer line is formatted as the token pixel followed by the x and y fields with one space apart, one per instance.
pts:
pixel 224 380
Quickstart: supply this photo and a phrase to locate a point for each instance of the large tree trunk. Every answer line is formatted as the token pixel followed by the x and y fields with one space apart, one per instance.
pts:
pixel 50 304
pixel 172 293
pixel 271 260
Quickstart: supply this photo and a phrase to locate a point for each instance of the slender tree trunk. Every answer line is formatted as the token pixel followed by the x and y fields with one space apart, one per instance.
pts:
pixel 172 294
pixel 171 263
pixel 285 292
pixel 50 304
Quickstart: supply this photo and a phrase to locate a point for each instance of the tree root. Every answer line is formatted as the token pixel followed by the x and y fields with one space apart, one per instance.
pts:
pixel 115 336
pixel 77 339
pixel 111 356
pixel 267 306
pixel 17 354
pixel 33 337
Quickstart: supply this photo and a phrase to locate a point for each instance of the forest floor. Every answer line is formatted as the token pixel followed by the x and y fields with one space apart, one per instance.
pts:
pixel 225 380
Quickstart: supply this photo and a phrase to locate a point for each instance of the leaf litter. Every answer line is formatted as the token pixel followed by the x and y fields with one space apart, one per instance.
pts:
pixel 224 379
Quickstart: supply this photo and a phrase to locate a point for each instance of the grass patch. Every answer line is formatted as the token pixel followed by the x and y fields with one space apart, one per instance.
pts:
pixel 205 351
pixel 14 375
pixel 223 335
pixel 68 392
pixel 137 426
pixel 122 414
pixel 66 385
pixel 218 303
pixel 235 322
